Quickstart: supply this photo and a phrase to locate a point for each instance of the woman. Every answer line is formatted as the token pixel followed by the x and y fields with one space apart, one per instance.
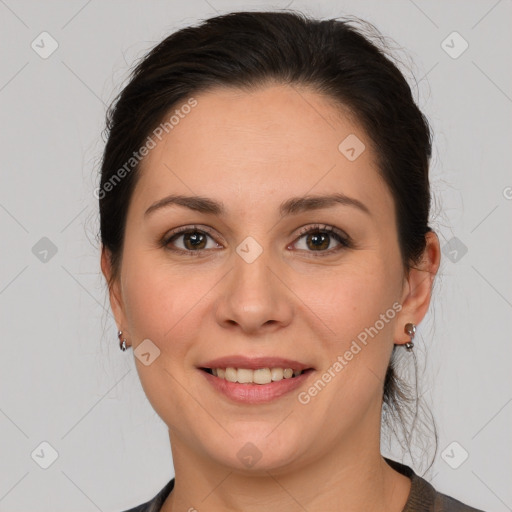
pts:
pixel 264 207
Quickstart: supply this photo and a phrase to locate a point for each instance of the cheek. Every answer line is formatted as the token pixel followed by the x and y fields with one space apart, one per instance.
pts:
pixel 164 305
pixel 348 299
pixel 357 307
pixel 161 302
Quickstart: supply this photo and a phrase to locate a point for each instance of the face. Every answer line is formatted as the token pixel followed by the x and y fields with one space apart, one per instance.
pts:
pixel 262 277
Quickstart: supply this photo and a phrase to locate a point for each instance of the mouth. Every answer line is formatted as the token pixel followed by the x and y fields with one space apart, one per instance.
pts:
pixel 260 376
pixel 255 380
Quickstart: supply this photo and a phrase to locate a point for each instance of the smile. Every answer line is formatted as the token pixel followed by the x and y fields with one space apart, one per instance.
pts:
pixel 258 376
pixel 255 386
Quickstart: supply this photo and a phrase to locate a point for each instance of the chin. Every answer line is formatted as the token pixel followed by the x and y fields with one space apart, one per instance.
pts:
pixel 259 450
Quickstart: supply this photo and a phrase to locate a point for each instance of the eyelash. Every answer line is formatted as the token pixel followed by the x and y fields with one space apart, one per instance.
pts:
pixel 343 239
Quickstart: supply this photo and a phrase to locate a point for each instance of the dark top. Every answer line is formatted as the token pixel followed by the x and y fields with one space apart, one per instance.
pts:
pixel 422 498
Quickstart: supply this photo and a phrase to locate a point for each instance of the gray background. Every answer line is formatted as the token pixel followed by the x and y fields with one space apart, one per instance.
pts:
pixel 64 381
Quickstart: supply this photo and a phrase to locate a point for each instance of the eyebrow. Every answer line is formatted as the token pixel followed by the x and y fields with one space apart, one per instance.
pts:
pixel 291 206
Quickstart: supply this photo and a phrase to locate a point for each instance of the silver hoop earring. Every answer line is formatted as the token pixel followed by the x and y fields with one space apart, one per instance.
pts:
pixel 122 341
pixel 410 329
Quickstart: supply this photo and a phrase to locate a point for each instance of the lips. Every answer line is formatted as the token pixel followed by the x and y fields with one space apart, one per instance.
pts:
pixel 254 363
pixel 247 379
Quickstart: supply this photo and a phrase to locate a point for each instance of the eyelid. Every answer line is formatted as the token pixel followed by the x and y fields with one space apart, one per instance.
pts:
pixel 184 229
pixel 308 228
pixel 166 239
pixel 344 240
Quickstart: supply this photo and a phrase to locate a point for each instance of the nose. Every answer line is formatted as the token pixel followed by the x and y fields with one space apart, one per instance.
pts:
pixel 254 297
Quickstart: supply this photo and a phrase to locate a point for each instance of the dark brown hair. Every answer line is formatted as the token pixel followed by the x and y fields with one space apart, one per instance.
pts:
pixel 249 50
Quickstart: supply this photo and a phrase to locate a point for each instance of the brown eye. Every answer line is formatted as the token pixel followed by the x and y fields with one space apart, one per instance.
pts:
pixel 321 239
pixel 190 240
pixel 318 241
pixel 194 240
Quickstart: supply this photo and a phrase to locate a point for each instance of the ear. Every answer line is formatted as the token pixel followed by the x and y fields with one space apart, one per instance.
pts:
pixel 115 295
pixel 418 288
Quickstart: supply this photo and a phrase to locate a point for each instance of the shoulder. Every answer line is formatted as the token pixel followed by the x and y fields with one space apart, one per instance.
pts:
pixel 155 503
pixel 424 498
pixel 449 504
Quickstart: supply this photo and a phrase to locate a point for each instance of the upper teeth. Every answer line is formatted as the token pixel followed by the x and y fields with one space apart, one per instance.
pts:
pixel 259 376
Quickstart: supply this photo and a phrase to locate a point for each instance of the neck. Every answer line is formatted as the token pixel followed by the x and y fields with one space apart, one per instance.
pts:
pixel 354 477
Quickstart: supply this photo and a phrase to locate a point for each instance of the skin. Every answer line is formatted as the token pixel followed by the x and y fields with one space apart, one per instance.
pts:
pixel 252 151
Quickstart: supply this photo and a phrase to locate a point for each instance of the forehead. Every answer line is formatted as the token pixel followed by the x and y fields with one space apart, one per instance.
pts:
pixel 266 144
